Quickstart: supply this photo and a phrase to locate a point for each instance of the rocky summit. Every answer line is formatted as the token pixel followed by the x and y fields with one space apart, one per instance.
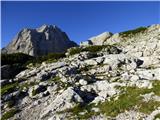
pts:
pixel 110 77
pixel 40 41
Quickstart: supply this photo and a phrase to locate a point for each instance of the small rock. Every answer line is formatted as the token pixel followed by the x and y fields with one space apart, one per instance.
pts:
pixel 90 62
pixel 82 82
pixel 95 109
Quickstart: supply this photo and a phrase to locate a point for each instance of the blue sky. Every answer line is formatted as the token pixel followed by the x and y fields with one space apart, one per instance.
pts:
pixel 80 20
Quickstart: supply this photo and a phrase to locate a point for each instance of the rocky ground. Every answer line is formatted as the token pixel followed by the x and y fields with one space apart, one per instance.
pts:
pixel 121 81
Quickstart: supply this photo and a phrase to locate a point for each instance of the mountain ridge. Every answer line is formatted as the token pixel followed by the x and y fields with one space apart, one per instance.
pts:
pixel 40 41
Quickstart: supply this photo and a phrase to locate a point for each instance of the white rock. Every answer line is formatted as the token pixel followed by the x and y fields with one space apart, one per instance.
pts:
pixel 99 40
pixel 134 78
pixel 130 115
pixel 99 60
pixel 90 62
pixel 66 100
pixel 95 109
pixel 82 82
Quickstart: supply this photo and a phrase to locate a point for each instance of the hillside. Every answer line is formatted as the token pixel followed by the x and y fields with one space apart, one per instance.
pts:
pixel 111 76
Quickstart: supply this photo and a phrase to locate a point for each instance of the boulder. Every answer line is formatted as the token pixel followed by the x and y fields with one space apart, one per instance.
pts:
pixel 90 62
pixel 68 99
pixel 152 74
pixel 99 40
pixel 103 89
pixel 43 75
pixel 82 82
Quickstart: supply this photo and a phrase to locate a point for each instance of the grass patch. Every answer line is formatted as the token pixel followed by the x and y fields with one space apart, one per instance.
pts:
pixel 51 57
pixel 27 85
pixel 93 49
pixel 61 84
pixel 8 88
pixel 156 87
pixel 20 58
pixel 133 32
pixel 75 112
pixel 75 50
pixel 130 98
pixel 126 101
pixel 148 107
pixel 56 79
pixel 9 114
pixel 157 116
pixel 34 92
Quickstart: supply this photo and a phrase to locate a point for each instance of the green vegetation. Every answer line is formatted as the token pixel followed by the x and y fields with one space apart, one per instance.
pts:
pixel 126 101
pixel 51 57
pixel 20 58
pixel 34 92
pixel 10 103
pixel 75 50
pixel 8 88
pixel 148 107
pixel 156 87
pixel 56 79
pixel 75 113
pixel 13 70
pixel 130 98
pixel 9 114
pixel 157 116
pixel 27 85
pixel 133 32
pixel 18 61
pixel 92 49
pixel 96 48
pixel 60 83
pixel 24 59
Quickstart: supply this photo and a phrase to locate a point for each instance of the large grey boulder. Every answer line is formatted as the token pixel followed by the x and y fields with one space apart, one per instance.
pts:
pixel 97 40
pixel 40 41
pixel 66 100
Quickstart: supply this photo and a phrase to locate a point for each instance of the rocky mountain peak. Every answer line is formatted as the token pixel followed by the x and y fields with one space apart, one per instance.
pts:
pixel 43 40
pixel 45 27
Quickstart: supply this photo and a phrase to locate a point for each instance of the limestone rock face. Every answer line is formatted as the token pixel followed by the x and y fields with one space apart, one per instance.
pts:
pixel 97 40
pixel 40 41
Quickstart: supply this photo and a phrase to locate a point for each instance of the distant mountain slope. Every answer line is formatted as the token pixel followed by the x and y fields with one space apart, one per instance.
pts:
pixel 124 37
pixel 40 41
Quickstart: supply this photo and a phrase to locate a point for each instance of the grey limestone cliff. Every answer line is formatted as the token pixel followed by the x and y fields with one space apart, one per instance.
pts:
pixel 40 41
